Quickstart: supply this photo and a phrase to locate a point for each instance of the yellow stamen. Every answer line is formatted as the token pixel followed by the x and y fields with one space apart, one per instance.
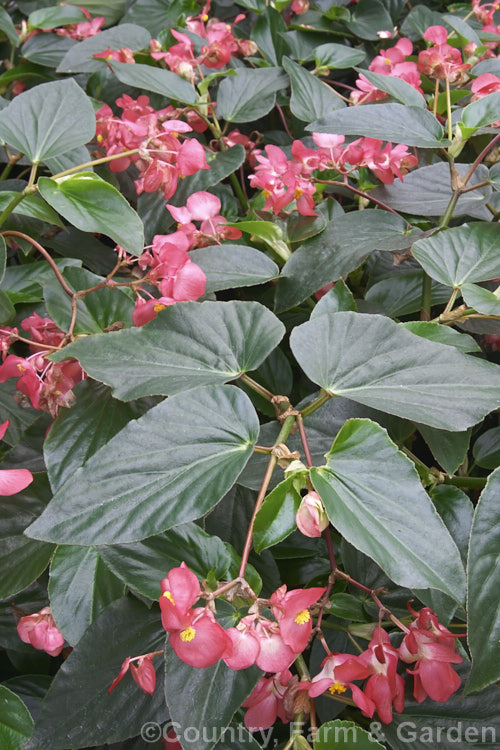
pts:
pixel 174 133
pixel 100 138
pixel 188 634
pixel 169 596
pixel 387 61
pixel 20 367
pixel 157 309
pixel 337 688
pixel 204 17
pixel 297 193
pixel 266 193
pixel 302 617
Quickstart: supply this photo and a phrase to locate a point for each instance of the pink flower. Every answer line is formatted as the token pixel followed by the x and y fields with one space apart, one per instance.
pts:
pixel 41 631
pixel 337 675
pixel 291 609
pixel 204 207
pixel 311 516
pixel 259 639
pixel 385 687
pixel 386 59
pixel 441 61
pixel 144 674
pixel 42 330
pixel 83 29
pixel 195 635
pixel 266 702
pixel 12 481
pixel 124 55
pixel 432 647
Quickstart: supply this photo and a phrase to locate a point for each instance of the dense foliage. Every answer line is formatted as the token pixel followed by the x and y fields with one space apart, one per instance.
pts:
pixel 249 325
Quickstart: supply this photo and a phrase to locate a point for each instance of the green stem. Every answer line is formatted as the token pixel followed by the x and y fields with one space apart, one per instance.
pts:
pixel 239 192
pixel 448 110
pixel 475 483
pixel 251 383
pixel 310 408
pixel 103 160
pixel 10 207
pixel 425 313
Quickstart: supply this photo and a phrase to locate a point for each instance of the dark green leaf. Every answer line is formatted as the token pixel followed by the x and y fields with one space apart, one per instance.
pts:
pixel 427 382
pixel 401 294
pixel 230 266
pixel 486 450
pixel 427 191
pixel 372 495
pixel 448 448
pixel 250 94
pixel 462 28
pixel 7 309
pixel 80 587
pixel 57 15
pixel 22 560
pixel 483 574
pixel 3 258
pixel 187 345
pixel 482 112
pixel 276 519
pixel 396 87
pixel 20 419
pixel 370 16
pixel 201 699
pixel 398 123
pixel 338 250
pixel 78 432
pixel 70 159
pixel 443 335
pixel 93 205
pixel 311 98
pixel 8 28
pixel 16 724
pixel 77 710
pixel 463 254
pixel 142 565
pixel 31 205
pixel 96 311
pixel 79 59
pixel 199 443
pixel 149 78
pixel 344 735
pixel 47 49
pixel 31 688
pixel 48 120
pixel 483 301
pixel 337 56
pixel 266 33
pixel 460 724
pixel 26 280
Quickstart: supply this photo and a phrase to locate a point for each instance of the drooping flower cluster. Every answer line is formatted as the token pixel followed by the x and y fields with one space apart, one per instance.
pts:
pixel 48 385
pixel 174 274
pixel 283 180
pixel 273 645
pixel 389 62
pixel 162 157
pixel 12 481
pixel 221 44
pixel 41 632
pixel 441 61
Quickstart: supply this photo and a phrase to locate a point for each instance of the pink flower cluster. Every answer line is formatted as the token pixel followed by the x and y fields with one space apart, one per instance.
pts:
pixel 283 180
pixel 441 61
pixel 83 29
pixel 12 481
pixel 48 385
pixel 205 208
pixel 273 645
pixel 221 45
pixel 41 631
pixel 174 274
pixel 389 62
pixel 162 158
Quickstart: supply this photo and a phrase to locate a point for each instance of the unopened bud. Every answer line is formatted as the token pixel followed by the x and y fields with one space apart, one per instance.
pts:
pixel 295 467
pixel 311 516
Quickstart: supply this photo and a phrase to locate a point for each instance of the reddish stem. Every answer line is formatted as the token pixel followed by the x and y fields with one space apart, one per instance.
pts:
pixel 42 250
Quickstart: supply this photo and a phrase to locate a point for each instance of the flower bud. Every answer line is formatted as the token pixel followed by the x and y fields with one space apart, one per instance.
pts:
pixel 311 516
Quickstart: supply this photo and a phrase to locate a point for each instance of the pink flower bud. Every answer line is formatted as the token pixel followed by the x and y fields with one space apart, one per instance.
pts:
pixel 311 516
pixel 41 631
